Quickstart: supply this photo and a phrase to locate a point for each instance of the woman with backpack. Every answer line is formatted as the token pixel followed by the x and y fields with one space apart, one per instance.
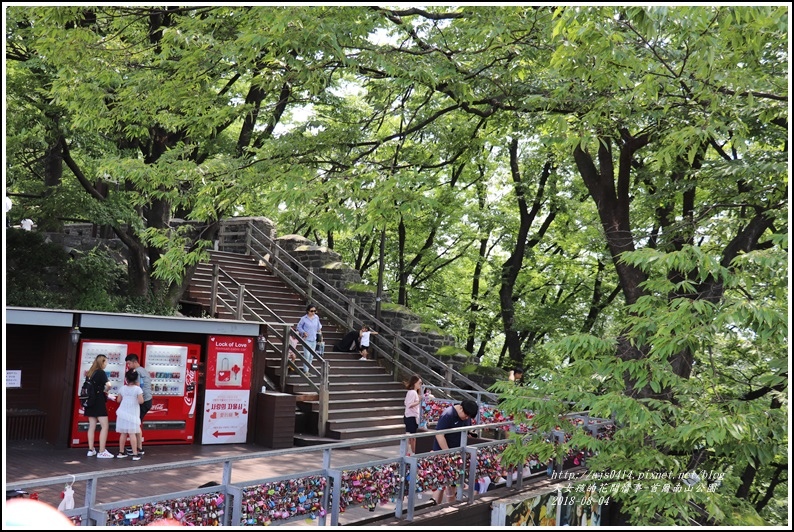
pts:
pixel 96 410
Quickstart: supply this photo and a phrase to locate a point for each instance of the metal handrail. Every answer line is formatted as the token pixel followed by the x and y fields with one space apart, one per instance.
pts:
pixel 345 312
pixel 239 295
pixel 91 510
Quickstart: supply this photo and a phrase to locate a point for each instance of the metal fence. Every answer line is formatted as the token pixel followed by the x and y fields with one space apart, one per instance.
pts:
pixel 320 493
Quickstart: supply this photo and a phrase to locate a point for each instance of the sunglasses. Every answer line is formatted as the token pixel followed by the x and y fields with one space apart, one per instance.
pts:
pixel 313 310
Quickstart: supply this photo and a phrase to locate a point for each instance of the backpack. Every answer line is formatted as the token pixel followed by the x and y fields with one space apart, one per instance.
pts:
pixel 88 393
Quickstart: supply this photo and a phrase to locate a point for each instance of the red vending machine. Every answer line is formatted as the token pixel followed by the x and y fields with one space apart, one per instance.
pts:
pixel 173 367
pixel 227 389
pixel 88 350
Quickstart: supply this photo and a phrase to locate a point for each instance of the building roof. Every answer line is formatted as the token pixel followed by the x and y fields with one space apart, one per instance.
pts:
pixel 137 322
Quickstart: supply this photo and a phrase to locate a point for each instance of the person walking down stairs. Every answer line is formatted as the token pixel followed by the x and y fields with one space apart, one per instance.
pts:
pixel 309 327
pixel 363 341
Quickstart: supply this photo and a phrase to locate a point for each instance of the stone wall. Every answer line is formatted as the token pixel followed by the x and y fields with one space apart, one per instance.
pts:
pixel 234 232
pixel 86 236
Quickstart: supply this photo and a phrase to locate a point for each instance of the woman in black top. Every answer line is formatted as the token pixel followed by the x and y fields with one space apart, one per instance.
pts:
pixel 98 411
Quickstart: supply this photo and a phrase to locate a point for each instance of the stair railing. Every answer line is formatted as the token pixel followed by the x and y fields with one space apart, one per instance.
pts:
pixel 343 310
pixel 234 298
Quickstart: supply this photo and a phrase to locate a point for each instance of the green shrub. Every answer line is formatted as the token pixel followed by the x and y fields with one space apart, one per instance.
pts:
pixel 451 350
pixel 361 287
pixel 94 281
pixel 34 271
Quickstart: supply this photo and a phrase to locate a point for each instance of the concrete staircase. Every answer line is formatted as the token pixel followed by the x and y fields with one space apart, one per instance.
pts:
pixel 364 399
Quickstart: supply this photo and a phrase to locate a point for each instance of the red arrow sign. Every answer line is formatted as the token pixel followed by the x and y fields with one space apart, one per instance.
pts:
pixel 217 434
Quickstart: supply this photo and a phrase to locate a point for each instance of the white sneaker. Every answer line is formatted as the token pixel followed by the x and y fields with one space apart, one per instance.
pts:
pixel 105 454
pixel 91 452
pixel 362 358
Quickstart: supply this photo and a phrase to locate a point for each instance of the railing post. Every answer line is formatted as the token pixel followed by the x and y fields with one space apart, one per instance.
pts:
pixel 309 285
pixel 396 351
pixel 323 413
pixel 351 311
pixel 274 262
pixel 214 293
pixel 284 357
pixel 248 238
pixel 240 301
pixel 396 356
pixel 336 494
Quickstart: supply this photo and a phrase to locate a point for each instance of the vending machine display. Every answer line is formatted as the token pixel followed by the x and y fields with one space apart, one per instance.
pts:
pixel 166 364
pixel 174 369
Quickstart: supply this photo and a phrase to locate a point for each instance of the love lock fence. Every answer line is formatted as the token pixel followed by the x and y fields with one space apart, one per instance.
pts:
pixel 321 494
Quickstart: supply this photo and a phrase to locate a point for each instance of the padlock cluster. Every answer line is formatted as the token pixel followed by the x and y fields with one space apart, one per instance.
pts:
pixel 436 471
pixel 432 409
pixel 490 414
pixel 603 431
pixel 370 486
pixel 196 510
pixel 265 503
pixel 489 462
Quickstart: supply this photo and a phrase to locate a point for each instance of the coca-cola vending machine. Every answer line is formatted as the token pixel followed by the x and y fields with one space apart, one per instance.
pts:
pixel 227 389
pixel 173 368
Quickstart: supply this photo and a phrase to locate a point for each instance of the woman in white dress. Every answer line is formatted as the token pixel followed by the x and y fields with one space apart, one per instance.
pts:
pixel 128 415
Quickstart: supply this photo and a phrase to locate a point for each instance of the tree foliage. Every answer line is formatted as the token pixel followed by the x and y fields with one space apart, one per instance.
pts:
pixel 598 193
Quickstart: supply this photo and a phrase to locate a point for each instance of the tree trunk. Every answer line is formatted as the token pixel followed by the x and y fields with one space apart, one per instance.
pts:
pixel 512 266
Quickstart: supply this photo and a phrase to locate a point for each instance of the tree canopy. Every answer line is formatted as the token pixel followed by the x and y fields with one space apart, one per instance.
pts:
pixel 599 194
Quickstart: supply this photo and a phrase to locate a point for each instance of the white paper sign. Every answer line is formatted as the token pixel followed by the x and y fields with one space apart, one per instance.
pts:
pixel 225 416
pixel 13 378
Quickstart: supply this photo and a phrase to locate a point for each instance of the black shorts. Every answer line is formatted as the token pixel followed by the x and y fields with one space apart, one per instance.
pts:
pixel 411 425
pixel 145 407
pixel 99 408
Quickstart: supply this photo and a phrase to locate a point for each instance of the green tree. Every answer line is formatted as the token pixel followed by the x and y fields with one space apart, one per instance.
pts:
pixel 562 156
pixel 163 112
pixel 678 133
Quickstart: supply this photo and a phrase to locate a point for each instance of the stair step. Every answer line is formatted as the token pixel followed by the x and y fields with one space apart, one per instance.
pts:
pixel 366 432
pixel 350 405
pixel 336 411
pixel 353 394
pixel 360 387
pixel 363 423
pixel 348 371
